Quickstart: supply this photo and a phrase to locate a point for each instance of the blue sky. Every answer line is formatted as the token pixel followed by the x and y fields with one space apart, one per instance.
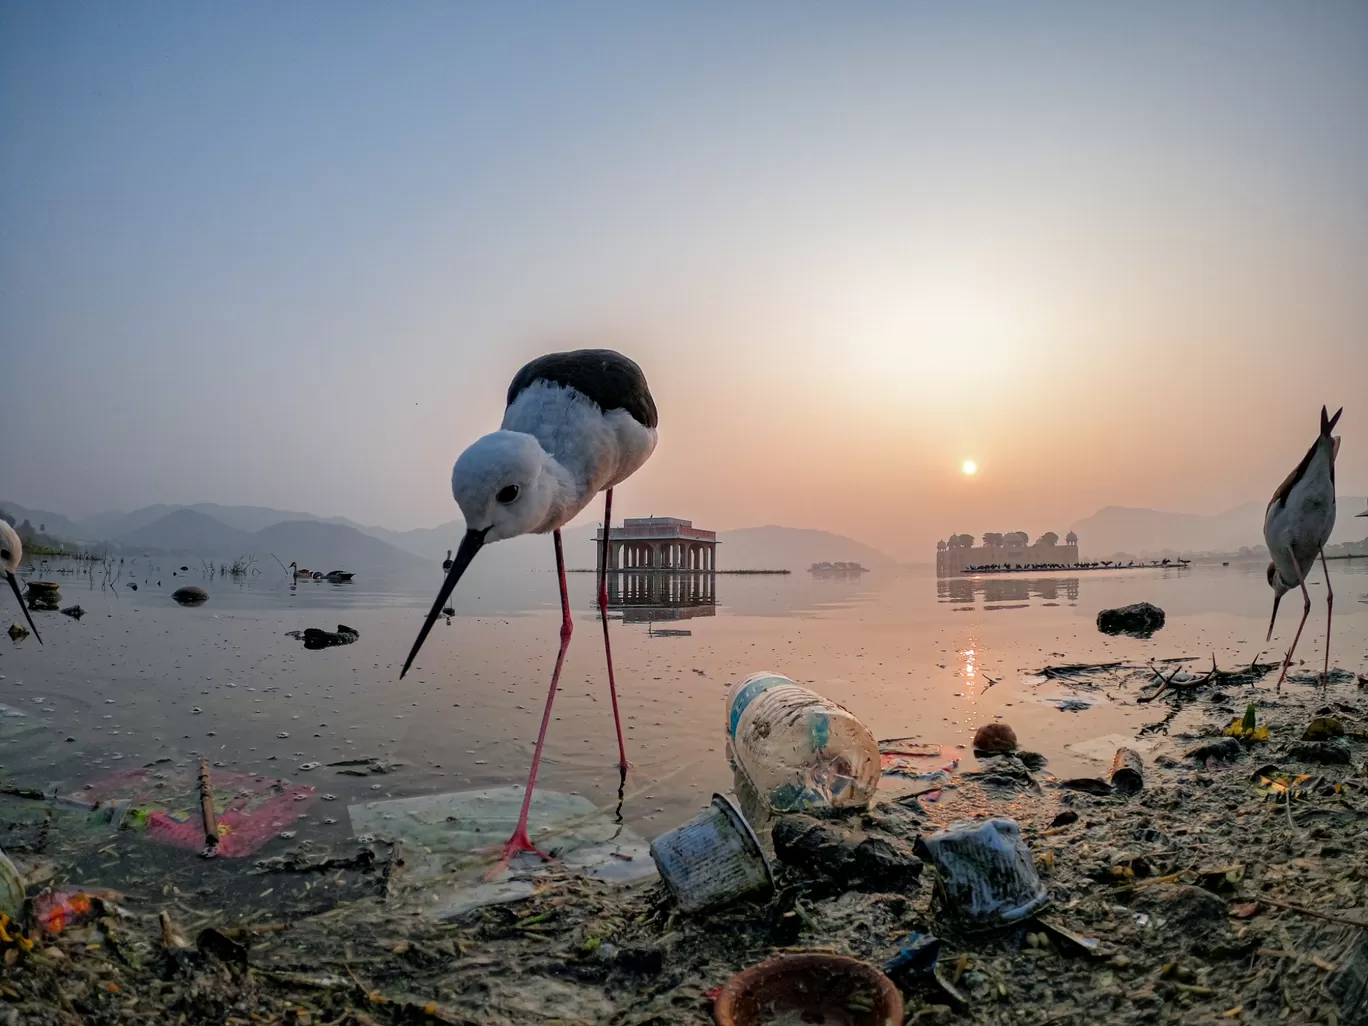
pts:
pixel 291 254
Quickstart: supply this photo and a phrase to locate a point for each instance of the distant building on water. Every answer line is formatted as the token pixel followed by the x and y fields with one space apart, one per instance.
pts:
pixel 959 553
pixel 661 543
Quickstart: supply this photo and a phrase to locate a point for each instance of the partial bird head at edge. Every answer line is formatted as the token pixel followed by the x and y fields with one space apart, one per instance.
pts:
pixel 504 488
pixel 11 555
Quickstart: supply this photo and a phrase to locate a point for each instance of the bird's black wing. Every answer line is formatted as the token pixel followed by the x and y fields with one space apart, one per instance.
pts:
pixel 607 378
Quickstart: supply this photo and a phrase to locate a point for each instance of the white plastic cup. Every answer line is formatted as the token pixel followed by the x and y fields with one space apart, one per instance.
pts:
pixel 713 859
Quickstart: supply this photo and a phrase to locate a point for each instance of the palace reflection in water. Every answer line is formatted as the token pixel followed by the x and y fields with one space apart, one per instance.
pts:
pixel 965 590
pixel 643 597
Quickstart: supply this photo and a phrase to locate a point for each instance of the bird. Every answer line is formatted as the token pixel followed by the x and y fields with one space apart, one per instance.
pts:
pixel 298 572
pixel 338 576
pixel 446 563
pixel 1297 524
pixel 575 424
pixel 11 555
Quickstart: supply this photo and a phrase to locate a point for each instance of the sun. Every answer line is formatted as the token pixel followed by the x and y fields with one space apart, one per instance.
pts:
pixel 969 467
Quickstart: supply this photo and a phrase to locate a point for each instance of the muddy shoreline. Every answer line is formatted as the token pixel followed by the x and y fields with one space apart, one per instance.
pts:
pixel 1229 888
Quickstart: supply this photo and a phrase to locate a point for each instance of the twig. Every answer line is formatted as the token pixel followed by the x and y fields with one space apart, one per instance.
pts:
pixel 1312 912
pixel 990 681
pixel 206 788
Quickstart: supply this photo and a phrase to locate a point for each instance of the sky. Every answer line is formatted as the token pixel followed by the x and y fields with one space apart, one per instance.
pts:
pixel 292 254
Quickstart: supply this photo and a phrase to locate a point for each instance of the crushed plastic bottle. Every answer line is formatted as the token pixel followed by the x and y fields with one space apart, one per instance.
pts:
pixel 11 888
pixel 797 749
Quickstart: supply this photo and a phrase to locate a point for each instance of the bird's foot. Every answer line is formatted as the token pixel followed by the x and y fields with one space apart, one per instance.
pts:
pixel 520 843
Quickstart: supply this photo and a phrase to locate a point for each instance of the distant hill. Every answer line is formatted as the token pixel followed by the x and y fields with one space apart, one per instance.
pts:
pixel 1144 532
pixel 792 548
pixel 186 531
pixel 311 543
pixel 324 546
pixel 49 523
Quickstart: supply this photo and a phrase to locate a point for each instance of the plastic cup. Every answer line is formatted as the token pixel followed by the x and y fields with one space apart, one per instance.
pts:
pixel 713 859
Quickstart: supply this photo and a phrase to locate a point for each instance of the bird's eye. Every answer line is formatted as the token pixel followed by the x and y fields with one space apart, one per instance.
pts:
pixel 507 494
pixel 4 553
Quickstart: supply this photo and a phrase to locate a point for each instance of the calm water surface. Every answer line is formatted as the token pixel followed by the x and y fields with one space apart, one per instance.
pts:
pixel 141 678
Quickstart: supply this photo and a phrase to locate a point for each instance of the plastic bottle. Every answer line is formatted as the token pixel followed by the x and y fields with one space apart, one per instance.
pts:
pixel 11 888
pixel 797 749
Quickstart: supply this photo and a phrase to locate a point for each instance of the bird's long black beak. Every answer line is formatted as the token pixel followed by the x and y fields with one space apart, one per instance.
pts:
pixel 470 545
pixel 14 583
pixel 1273 619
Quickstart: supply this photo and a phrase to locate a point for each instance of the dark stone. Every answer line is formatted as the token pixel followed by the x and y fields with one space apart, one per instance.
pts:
pixel 190 596
pixel 1335 752
pixel 75 612
pixel 1138 620
pixel 854 859
pixel 1065 818
pixel 1223 748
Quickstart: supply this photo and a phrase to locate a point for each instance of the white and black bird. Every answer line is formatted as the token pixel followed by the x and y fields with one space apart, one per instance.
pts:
pixel 1297 524
pixel 11 555
pixel 576 424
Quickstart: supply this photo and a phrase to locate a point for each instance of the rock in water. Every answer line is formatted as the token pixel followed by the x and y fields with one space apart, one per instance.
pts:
pixel 995 738
pixel 1140 620
pixel 316 637
pixel 17 631
pixel 43 595
pixel 75 612
pixel 190 595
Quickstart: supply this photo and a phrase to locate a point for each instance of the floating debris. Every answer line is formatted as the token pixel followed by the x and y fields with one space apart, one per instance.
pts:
pixel 316 638
pixel 190 596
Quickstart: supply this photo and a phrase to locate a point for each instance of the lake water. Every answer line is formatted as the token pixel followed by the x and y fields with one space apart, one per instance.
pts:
pixel 141 678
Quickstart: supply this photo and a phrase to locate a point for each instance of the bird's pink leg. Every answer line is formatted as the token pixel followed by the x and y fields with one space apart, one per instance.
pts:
pixel 1306 611
pixel 520 842
pixel 603 615
pixel 1329 612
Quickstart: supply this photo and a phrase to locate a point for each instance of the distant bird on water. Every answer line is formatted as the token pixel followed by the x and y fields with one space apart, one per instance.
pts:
pixel 575 424
pixel 11 555
pixel 1297 525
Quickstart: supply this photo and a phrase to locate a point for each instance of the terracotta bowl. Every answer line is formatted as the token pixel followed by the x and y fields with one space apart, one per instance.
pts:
pixel 822 989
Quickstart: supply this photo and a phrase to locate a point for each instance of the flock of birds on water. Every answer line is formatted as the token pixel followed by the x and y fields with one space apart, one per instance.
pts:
pixel 577 424
pixel 1098 564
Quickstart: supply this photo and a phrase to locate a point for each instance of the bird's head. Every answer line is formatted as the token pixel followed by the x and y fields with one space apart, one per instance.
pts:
pixel 502 484
pixel 1280 589
pixel 11 555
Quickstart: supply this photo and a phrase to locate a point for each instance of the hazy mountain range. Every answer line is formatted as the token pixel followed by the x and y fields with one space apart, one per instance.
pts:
pixel 208 530
pixel 1145 532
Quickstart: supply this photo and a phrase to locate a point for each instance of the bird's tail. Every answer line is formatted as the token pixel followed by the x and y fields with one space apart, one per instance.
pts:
pixel 1328 422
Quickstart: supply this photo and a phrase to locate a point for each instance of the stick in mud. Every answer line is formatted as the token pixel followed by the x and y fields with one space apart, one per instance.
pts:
pixel 206 788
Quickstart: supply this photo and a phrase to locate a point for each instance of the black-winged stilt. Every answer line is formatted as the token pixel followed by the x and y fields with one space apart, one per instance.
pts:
pixel 576 424
pixel 11 555
pixel 1297 525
